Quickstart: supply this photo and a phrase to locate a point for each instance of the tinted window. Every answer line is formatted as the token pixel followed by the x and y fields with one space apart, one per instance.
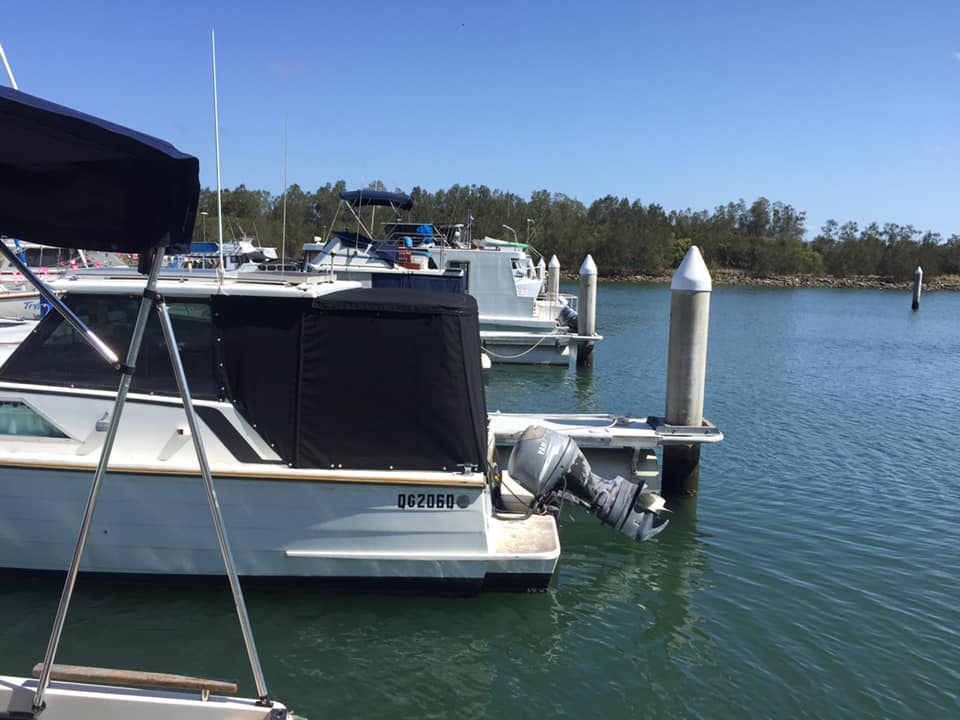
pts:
pixel 55 354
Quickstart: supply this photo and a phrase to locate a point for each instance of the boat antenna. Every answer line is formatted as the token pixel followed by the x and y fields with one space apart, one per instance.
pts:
pixel 216 133
pixel 283 231
pixel 13 80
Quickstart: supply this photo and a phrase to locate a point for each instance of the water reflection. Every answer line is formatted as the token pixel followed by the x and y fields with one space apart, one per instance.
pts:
pixel 534 388
pixel 585 390
pixel 660 576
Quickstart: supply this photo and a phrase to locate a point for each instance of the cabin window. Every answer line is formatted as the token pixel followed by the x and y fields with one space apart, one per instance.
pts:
pixel 55 354
pixel 18 418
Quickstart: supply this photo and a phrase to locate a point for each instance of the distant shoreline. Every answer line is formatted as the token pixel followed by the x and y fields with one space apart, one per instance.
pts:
pixel 737 278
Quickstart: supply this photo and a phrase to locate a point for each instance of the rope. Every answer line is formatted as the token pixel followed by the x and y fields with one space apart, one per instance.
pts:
pixel 525 352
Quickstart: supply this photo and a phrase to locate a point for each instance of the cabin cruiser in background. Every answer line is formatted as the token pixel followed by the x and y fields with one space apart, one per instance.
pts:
pixel 519 322
pixel 239 255
pixel 19 301
pixel 47 261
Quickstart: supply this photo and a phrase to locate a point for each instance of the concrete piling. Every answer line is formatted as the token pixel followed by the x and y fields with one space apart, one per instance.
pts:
pixel 553 278
pixel 541 269
pixel 917 283
pixel 587 309
pixel 686 370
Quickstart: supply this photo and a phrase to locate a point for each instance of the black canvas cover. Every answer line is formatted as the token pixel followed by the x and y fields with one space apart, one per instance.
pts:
pixel 71 179
pixel 391 379
pixel 362 379
pixel 259 342
pixel 365 198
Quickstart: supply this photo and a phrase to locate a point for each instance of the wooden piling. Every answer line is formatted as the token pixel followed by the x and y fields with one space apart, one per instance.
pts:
pixel 917 283
pixel 686 370
pixel 587 310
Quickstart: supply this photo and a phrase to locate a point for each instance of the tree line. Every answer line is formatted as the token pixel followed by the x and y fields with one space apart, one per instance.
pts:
pixel 625 237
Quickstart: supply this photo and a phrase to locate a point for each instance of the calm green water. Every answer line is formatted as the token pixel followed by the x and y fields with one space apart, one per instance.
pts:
pixel 819 575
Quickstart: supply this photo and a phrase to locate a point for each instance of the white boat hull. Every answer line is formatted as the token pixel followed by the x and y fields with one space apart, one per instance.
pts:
pixel 80 701
pixel 555 347
pixel 341 534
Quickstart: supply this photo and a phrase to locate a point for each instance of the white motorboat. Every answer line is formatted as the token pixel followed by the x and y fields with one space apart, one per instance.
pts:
pixel 519 322
pixel 347 429
pixel 243 255
pixel 115 180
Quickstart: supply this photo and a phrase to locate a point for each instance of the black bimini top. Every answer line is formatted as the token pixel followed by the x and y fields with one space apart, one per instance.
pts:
pixel 67 178
pixel 364 198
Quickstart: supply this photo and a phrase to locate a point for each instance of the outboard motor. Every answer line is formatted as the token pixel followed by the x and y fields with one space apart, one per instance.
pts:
pixel 568 316
pixel 551 466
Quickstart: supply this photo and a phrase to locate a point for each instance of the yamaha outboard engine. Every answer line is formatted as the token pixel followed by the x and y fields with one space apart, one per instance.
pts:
pixel 568 316
pixel 551 466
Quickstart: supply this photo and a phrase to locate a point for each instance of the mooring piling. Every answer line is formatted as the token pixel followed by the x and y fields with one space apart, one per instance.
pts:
pixel 587 309
pixel 917 283
pixel 553 278
pixel 686 370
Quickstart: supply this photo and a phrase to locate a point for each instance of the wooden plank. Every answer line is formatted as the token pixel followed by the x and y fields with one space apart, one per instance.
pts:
pixel 136 678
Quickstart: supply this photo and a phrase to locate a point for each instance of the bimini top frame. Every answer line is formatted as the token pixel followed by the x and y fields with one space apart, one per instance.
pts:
pixel 69 178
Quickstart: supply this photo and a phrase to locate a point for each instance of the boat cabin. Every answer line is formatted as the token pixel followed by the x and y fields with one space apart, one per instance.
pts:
pixel 356 379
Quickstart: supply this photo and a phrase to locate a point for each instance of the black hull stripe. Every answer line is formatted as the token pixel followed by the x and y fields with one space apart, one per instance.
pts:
pixel 493 582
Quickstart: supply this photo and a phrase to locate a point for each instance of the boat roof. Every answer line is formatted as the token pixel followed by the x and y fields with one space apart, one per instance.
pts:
pixel 71 179
pixel 201 283
pixel 364 198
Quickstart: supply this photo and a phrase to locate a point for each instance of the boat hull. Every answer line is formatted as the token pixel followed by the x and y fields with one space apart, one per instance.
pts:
pixel 334 534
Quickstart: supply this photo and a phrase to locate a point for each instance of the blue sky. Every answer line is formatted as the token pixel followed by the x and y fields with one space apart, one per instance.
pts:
pixel 846 110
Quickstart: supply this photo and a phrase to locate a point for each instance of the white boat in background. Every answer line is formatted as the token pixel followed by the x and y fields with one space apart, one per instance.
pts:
pixel 19 301
pixel 241 255
pixel 519 321
pixel 49 262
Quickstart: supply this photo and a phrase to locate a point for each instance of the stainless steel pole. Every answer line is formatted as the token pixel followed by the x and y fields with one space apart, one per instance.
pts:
pixel 172 348
pixel 57 304
pixel 132 353
pixel 13 80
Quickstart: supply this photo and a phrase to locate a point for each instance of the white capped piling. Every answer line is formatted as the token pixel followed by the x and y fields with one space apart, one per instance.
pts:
pixel 587 309
pixel 686 369
pixel 917 283
pixel 541 269
pixel 553 278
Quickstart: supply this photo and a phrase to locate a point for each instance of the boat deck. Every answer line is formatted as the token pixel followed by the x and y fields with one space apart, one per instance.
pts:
pixel 535 535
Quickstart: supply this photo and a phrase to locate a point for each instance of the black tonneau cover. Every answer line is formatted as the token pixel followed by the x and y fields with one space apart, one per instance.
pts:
pixel 363 379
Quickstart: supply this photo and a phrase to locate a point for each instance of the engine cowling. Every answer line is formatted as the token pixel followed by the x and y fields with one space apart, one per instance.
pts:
pixel 551 466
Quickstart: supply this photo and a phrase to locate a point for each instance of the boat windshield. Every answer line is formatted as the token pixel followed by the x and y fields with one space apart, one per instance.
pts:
pixel 55 354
